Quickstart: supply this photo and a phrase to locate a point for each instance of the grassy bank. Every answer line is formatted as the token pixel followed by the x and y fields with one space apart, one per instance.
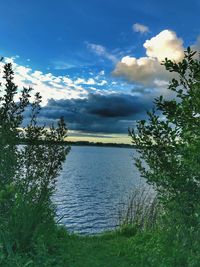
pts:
pixel 122 248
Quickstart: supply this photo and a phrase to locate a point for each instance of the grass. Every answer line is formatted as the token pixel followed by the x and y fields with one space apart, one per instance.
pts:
pixel 107 250
pixel 141 209
pixel 120 249
pixel 124 247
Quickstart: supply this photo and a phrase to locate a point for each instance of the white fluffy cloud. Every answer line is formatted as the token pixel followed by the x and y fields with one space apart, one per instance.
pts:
pixel 165 45
pixel 148 70
pixel 144 70
pixel 137 27
pixel 55 87
pixel 49 86
pixel 90 81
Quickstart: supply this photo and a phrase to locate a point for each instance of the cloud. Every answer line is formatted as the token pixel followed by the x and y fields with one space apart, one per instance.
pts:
pixel 101 51
pixel 47 84
pixel 97 113
pixel 113 105
pixel 90 81
pixel 165 45
pixel 102 73
pixel 137 27
pixel 143 70
pixel 51 86
pixel 103 110
pixel 62 65
pixel 148 70
pixel 196 46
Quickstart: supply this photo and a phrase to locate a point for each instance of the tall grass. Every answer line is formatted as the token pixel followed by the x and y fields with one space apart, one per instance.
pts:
pixel 140 211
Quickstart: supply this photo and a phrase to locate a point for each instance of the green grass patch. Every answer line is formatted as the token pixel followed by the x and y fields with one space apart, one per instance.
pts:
pixel 113 249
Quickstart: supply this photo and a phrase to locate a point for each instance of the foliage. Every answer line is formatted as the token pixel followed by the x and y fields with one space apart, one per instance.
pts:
pixel 169 144
pixel 169 141
pixel 27 172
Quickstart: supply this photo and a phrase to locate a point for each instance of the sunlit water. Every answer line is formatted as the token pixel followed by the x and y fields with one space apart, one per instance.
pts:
pixel 93 183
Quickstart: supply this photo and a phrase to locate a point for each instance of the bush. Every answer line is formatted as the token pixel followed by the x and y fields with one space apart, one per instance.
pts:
pixel 169 141
pixel 27 172
pixel 169 144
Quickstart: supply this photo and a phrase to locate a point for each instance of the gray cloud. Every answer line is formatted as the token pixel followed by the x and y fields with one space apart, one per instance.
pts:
pixel 113 113
pixel 196 46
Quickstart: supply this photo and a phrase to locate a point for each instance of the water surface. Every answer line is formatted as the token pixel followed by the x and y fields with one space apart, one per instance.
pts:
pixel 93 183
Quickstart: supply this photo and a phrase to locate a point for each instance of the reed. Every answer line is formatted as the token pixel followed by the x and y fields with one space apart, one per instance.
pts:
pixel 140 211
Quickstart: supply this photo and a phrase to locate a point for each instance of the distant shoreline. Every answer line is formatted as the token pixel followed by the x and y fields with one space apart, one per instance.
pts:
pixel 77 143
pixel 99 144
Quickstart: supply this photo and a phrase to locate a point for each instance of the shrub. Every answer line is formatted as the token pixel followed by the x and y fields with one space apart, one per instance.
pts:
pixel 27 172
pixel 169 141
pixel 168 144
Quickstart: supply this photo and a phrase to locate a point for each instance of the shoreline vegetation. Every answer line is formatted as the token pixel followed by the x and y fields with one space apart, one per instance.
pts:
pixel 78 143
pixel 160 232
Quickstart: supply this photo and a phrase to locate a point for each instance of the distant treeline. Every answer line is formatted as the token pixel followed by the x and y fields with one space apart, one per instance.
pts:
pixel 76 143
pixel 87 143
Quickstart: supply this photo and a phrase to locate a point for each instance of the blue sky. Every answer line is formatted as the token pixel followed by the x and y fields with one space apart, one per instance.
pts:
pixel 92 50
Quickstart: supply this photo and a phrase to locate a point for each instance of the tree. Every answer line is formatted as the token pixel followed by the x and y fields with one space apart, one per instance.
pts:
pixel 169 141
pixel 27 172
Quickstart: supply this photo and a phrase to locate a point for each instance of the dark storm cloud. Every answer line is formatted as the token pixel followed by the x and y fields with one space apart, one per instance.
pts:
pixel 114 105
pixel 98 113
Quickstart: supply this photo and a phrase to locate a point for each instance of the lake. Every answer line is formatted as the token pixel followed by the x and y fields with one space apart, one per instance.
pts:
pixel 93 184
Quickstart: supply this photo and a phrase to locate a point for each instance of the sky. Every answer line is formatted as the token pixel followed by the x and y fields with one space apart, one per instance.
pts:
pixel 96 62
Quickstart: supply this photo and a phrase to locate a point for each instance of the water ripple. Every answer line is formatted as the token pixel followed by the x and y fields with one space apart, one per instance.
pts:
pixel 93 183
